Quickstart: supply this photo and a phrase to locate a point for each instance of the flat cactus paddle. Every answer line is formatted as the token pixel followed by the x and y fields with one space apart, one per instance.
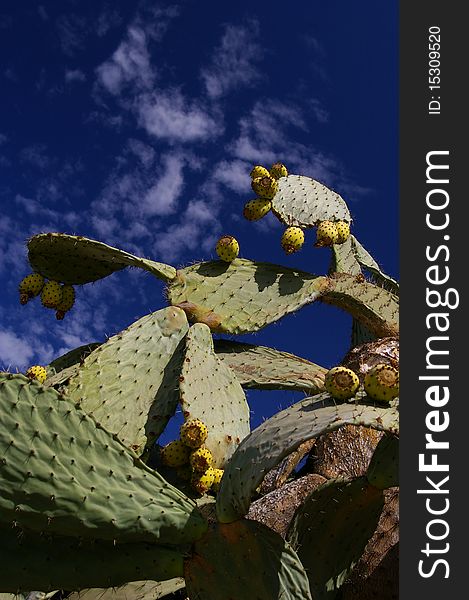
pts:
pixel 305 202
pixel 383 471
pixel 243 560
pixel 242 296
pixel 38 561
pixel 282 434
pixel 135 590
pixel 265 368
pixel 331 529
pixel 129 383
pixel 76 260
pixel 210 391
pixel 61 473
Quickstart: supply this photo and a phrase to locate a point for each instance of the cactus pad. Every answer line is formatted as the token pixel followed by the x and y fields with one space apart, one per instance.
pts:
pixel 282 434
pixel 120 383
pixel 61 473
pixel 76 260
pixel 275 572
pixel 268 369
pixel 304 202
pixel 383 471
pixel 331 529
pixel 210 392
pixel 135 590
pixel 244 295
pixel 40 561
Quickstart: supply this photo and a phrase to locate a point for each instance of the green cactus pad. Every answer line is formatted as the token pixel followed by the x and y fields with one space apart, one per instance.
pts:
pixel 244 295
pixel 77 260
pixel 281 435
pixel 62 473
pixel 129 383
pixel 304 202
pixel 210 391
pixel 331 529
pixel 383 471
pixel 268 369
pixel 40 561
pixel 368 263
pixel 74 357
pixel 376 308
pixel 136 590
pixel 343 259
pixel 244 560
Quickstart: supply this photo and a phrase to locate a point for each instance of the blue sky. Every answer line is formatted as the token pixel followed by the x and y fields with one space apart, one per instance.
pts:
pixel 137 124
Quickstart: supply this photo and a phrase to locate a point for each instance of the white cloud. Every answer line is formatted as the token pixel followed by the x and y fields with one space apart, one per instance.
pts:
pixel 169 116
pixel 234 175
pixel 233 63
pixel 15 352
pixel 161 199
pixel 130 64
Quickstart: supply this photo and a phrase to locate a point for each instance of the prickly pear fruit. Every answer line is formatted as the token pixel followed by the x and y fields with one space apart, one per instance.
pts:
pixel 37 372
pixel 30 286
pixel 227 248
pixel 202 482
pixel 175 454
pixel 265 187
pixel 193 433
pixel 259 171
pixel 217 475
pixel 341 383
pixel 201 459
pixel 67 301
pixel 51 294
pixel 278 170
pixel 343 231
pixel 326 234
pixel 292 239
pixel 382 382
pixel 256 209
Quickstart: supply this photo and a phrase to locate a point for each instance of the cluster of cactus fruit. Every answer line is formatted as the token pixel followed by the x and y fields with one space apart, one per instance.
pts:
pixel 59 297
pixel 192 459
pixel 84 484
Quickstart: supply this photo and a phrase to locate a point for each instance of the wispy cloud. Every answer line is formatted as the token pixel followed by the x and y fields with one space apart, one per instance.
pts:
pixel 235 61
pixel 171 117
pixel 161 199
pixel 129 64
pixel 74 76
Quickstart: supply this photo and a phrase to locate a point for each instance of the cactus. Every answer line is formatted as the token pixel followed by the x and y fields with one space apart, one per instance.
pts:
pixel 129 370
pixel 76 260
pixel 269 369
pixel 250 547
pixel 75 479
pixel 305 202
pixel 210 392
pixel 331 529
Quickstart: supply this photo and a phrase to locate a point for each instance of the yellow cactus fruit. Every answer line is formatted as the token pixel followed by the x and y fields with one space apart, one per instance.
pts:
pixel 67 301
pixel 292 240
pixel 201 459
pixel 175 454
pixel 202 482
pixel 382 382
pixel 217 475
pixel 341 383
pixel 193 433
pixel 256 209
pixel 30 286
pixel 265 187
pixel 37 372
pixel 227 248
pixel 51 294
pixel 278 170
pixel 259 171
pixel 326 234
pixel 343 231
